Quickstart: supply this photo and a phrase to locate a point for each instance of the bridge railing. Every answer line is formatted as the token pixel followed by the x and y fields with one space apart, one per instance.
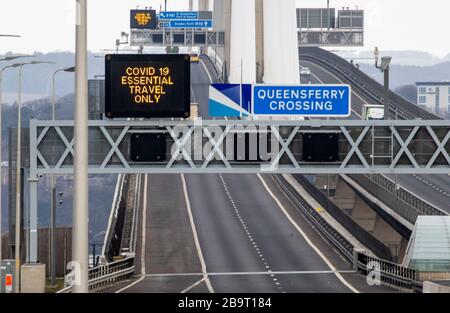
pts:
pixel 402 201
pixel 390 274
pixel 332 235
pixel 409 205
pixel 107 275
pixel 401 108
pixel 366 238
pixel 113 236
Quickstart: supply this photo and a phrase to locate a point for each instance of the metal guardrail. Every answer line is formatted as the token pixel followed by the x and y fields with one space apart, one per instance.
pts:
pixel 363 82
pixel 391 274
pixel 366 238
pixel 372 96
pixel 106 275
pixel 328 231
pixel 129 223
pixel 404 202
pixel 113 238
pixel 410 205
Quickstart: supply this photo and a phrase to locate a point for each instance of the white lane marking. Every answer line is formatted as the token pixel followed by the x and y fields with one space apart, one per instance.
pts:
pixel 269 273
pixel 207 72
pixel 209 77
pixel 144 226
pixel 308 241
pixel 426 182
pixel 193 95
pixel 137 200
pixel 193 286
pixel 194 232
pixel 144 233
pixel 131 285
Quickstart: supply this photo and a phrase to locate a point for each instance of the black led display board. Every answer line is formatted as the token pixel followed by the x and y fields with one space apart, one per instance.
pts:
pixel 147 86
pixel 143 19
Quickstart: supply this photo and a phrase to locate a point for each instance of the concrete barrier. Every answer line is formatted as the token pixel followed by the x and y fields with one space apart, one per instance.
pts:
pixel 32 278
pixel 435 287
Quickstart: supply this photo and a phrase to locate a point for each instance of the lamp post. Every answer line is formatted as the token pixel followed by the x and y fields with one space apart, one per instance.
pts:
pixel 124 38
pixel 80 243
pixel 384 67
pixel 53 188
pixel 328 15
pixel 18 171
pixel 1 169
pixel 10 36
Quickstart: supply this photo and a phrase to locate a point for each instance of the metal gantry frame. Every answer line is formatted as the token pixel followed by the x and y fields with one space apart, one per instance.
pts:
pixel 216 38
pixel 166 37
pixel 405 147
pixel 365 147
pixel 334 37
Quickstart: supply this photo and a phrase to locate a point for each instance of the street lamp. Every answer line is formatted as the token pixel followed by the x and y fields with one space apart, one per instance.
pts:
pixel 13 57
pixel 384 67
pixel 122 41
pixel 328 15
pixel 53 188
pixel 18 170
pixel 1 169
pixel 67 70
pixel 80 229
pixel 14 36
pixel 7 58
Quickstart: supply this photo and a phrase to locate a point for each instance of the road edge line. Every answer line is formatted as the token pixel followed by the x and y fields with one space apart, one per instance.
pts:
pixel 194 232
pixel 308 241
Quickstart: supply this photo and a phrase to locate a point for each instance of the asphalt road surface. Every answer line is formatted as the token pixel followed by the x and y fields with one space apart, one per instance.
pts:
pixel 230 233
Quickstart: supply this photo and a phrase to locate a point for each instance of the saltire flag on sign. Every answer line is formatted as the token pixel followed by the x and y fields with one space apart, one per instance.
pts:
pixel 229 100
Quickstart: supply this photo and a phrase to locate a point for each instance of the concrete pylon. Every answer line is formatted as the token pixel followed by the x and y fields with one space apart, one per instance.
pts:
pixel 219 14
pixel 203 5
pixel 281 57
pixel 242 42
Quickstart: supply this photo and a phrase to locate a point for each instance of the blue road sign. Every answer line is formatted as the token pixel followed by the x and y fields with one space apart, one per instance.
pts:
pixel 179 15
pixel 191 24
pixel 230 100
pixel 302 100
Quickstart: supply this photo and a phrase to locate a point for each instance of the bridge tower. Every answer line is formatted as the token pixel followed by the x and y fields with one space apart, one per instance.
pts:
pixel 281 57
pixel 262 34
pixel 242 42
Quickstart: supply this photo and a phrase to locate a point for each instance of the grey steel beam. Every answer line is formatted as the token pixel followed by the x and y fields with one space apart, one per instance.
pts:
pixel 164 37
pixel 416 147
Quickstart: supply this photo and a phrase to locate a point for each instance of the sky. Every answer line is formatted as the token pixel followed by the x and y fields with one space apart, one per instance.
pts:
pixel 48 25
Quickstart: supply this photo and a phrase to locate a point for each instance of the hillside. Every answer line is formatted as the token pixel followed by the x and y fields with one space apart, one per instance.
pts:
pixel 101 188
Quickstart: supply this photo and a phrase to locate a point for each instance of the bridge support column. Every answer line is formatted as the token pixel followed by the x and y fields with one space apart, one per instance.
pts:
pixel 243 42
pixel 33 218
pixel 281 57
pixel 203 5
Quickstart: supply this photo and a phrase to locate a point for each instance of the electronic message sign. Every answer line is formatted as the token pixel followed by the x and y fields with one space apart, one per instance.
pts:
pixel 143 19
pixel 147 85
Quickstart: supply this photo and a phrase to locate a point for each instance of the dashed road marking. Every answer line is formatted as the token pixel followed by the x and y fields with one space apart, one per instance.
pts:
pixel 244 227
pixel 308 241
pixel 426 182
